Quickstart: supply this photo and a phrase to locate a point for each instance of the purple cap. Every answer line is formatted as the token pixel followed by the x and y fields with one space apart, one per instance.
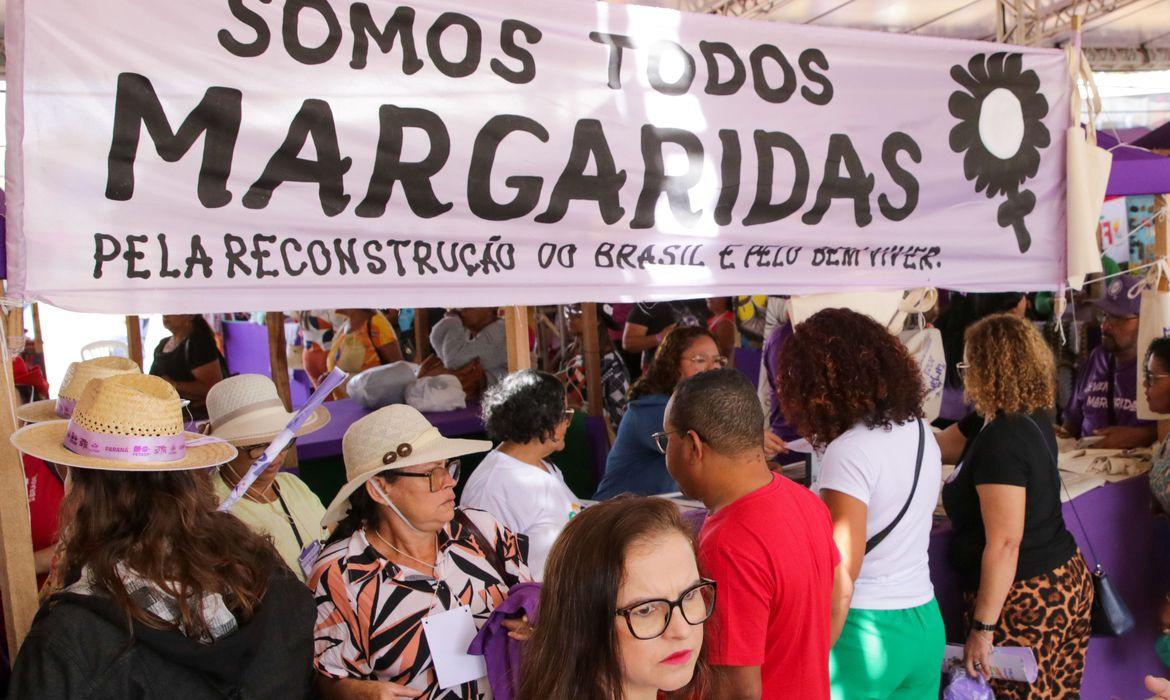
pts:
pixel 1120 297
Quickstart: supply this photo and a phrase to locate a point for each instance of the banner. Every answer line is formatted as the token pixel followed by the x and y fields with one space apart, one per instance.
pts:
pixel 239 154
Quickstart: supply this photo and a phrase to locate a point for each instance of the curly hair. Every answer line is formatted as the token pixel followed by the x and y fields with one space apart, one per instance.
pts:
pixel 1011 367
pixel 665 369
pixel 523 407
pixel 841 368
pixel 164 527
pixel 574 652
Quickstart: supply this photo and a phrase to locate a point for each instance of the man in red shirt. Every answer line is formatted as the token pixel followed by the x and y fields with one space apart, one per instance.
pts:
pixel 767 543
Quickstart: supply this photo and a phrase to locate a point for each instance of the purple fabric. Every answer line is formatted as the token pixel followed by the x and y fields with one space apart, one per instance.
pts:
pixel 1135 171
pixel 1134 547
pixel 748 361
pixel 3 237
pixel 954 405
pixel 1088 407
pixel 780 335
pixel 598 437
pixel 501 652
pixel 1158 138
pixel 326 442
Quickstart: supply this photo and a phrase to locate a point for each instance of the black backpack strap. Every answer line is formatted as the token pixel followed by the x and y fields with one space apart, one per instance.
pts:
pixel 877 539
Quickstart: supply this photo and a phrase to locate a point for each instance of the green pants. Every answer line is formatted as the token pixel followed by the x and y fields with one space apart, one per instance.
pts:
pixel 894 654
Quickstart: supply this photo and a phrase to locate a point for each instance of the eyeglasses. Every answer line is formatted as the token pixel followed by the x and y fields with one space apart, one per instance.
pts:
pixel 962 368
pixel 663 438
pixel 1114 320
pixel 650 618
pixel 568 415
pixel 255 451
pixel 437 475
pixel 1151 377
pixel 707 360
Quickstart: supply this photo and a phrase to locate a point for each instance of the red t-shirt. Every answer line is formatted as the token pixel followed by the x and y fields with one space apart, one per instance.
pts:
pixel 772 556
pixel 45 492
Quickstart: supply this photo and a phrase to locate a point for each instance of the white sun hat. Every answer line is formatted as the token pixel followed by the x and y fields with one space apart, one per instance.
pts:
pixel 77 377
pixel 131 422
pixel 246 410
pixel 394 437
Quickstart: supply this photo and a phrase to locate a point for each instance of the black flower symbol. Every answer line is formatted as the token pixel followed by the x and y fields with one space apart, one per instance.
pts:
pixel 1000 110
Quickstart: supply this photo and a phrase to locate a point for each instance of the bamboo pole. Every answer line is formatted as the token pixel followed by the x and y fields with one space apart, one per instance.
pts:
pixel 18 579
pixel 591 346
pixel 422 335
pixel 516 324
pixel 278 361
pixel 38 338
pixel 134 338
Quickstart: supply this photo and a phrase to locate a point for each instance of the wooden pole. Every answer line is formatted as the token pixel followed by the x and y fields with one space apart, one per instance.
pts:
pixel 1162 250
pixel 591 346
pixel 38 339
pixel 278 361
pixel 134 338
pixel 18 578
pixel 422 335
pixel 516 323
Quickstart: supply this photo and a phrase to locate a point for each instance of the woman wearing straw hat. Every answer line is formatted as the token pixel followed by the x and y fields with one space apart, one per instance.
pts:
pixel 164 597
pixel 77 377
pixel 246 411
pixel 404 566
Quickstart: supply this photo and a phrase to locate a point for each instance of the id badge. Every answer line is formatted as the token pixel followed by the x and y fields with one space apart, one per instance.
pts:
pixel 308 557
pixel 449 634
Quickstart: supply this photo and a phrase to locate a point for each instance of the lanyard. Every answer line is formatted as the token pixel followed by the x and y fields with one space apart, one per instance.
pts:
pixel 291 520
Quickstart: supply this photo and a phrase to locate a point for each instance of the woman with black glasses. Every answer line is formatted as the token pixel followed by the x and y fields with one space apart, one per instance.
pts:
pixel 635 464
pixel 404 568
pixel 622 609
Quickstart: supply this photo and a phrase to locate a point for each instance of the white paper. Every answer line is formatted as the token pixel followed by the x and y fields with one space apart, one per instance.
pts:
pixel 449 633
pixel 1007 663
pixel 799 445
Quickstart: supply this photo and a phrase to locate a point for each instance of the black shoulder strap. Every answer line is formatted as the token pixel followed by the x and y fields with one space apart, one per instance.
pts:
pixel 877 539
pixel 489 552
pixel 1056 463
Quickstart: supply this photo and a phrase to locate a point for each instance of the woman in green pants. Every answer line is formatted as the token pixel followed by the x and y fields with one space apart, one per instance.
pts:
pixel 855 393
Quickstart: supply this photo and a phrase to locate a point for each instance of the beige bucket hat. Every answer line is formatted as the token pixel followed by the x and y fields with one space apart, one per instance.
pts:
pixel 76 378
pixel 131 422
pixel 247 410
pixel 394 437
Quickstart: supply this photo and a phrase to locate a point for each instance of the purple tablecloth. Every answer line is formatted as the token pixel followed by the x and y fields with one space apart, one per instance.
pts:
pixel 1132 545
pixel 326 442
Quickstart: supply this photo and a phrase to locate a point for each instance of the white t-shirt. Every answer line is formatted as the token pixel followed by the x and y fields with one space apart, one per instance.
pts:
pixel 876 466
pixel 526 499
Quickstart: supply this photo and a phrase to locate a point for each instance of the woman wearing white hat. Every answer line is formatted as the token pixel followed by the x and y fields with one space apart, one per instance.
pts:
pixel 164 597
pixel 246 411
pixel 404 566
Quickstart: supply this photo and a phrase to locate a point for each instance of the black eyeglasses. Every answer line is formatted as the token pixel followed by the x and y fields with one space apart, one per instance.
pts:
pixel 661 439
pixel 650 618
pixel 438 475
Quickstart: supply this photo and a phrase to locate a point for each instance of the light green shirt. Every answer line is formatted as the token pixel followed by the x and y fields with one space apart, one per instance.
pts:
pixel 270 519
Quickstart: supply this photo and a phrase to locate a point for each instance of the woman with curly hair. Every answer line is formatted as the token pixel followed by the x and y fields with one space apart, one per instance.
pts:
pixel 622 609
pixel 855 393
pixel 635 465
pixel 526 413
pixel 1025 579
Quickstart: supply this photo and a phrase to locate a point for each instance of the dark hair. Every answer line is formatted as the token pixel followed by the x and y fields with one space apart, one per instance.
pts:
pixel 525 406
pixel 663 372
pixel 573 654
pixel 363 511
pixel 841 368
pixel 164 527
pixel 965 310
pixel 1160 349
pixel 723 408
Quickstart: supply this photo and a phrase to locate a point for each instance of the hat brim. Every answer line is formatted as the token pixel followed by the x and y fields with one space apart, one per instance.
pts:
pixel 46 441
pixel 319 419
pixel 38 411
pixel 446 448
pixel 1114 307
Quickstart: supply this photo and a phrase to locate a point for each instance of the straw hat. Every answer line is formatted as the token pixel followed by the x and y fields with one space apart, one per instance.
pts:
pixel 77 377
pixel 131 422
pixel 246 410
pixel 394 437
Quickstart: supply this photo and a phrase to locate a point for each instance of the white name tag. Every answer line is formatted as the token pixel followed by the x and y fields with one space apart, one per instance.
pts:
pixel 449 633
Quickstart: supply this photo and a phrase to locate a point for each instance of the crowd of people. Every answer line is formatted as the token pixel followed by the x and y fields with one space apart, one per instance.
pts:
pixel 770 590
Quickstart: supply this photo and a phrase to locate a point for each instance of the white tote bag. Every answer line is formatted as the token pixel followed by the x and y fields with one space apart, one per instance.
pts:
pixel 925 346
pixel 1154 323
pixel 1088 175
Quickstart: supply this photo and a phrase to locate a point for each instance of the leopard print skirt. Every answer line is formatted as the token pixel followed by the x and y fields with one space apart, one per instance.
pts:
pixel 1049 613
